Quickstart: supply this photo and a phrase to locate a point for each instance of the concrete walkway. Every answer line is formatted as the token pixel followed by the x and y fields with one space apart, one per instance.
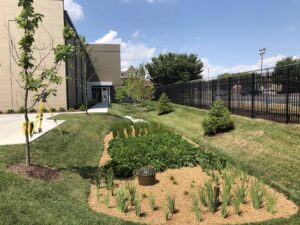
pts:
pixel 11 128
pixel 99 108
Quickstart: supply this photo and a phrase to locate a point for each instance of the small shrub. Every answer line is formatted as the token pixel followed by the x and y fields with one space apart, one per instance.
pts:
pixel 256 194
pixel 121 200
pixel 171 203
pixel 166 213
pixel 71 109
pixel 144 195
pixel 152 202
pixel 138 206
pixel 271 200
pixel 131 187
pixel 82 107
pixel 164 105
pixel 10 111
pixel 61 109
pixel 53 109
pixel 21 110
pixel 198 213
pixel 228 178
pixel 212 196
pixel 107 200
pixel 219 119
pixel 202 196
pixel 32 110
pixel 240 192
pixel 237 205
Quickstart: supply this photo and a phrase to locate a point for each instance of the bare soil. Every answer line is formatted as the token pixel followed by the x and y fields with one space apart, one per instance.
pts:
pixel 188 181
pixel 36 172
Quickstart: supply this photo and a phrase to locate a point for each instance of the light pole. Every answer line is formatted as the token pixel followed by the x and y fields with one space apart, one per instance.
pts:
pixel 262 51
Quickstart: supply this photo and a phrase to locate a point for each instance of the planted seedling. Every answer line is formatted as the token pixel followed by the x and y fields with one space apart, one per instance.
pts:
pixel 240 192
pixel 271 200
pixel 237 205
pixel 212 197
pixel 121 200
pixel 198 213
pixel 152 202
pixel 131 188
pixel 256 194
pixel 166 213
pixel 107 200
pixel 171 203
pixel 202 196
pixel 138 206
pixel 194 200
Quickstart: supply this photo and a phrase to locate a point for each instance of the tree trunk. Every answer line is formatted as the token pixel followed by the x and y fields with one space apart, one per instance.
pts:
pixel 27 149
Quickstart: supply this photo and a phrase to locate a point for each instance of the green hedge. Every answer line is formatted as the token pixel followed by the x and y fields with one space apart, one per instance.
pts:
pixel 161 150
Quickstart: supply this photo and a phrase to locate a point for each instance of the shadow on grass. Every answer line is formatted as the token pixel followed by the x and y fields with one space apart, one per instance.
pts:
pixel 86 172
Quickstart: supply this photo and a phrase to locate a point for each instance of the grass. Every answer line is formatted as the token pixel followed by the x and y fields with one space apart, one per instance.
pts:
pixel 76 155
pixel 267 150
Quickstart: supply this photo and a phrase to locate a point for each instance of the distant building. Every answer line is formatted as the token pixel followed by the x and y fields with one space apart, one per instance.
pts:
pixel 131 71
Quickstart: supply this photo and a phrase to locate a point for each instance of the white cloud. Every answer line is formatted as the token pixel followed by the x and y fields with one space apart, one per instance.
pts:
pixel 215 70
pixel 292 28
pixel 136 34
pixel 131 53
pixel 74 9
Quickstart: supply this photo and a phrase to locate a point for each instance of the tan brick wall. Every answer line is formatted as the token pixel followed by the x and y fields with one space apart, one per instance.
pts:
pixel 50 30
pixel 107 62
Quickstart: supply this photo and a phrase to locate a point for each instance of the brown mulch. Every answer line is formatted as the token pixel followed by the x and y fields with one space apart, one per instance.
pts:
pixel 188 182
pixel 36 172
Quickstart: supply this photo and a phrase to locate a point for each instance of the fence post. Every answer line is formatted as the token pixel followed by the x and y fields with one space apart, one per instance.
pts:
pixel 287 116
pixel 253 95
pixel 229 93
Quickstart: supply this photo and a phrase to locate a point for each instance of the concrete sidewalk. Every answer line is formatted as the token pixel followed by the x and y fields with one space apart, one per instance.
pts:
pixel 11 128
pixel 99 108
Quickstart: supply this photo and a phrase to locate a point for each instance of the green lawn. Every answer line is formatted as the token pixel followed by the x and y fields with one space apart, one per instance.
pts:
pixel 265 149
pixel 76 154
pixel 270 151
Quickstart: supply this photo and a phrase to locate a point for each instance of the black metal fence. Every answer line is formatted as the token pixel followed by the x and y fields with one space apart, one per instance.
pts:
pixel 272 94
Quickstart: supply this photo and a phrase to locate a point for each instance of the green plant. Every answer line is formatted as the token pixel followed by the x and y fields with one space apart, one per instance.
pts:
pixel 237 205
pixel 108 177
pixel 219 119
pixel 121 200
pixel 171 203
pixel 144 195
pixel 197 212
pixel 226 194
pixel 71 110
pixel 202 196
pixel 21 110
pixel 215 177
pixel 240 192
pixel 82 107
pixel 164 105
pixel 160 150
pixel 107 200
pixel 166 213
pixel 224 211
pixel 61 109
pixel 10 111
pixel 212 196
pixel 53 109
pixel 271 200
pixel 138 206
pixel 194 200
pixel 32 110
pixel 152 202
pixel 131 187
pixel 256 192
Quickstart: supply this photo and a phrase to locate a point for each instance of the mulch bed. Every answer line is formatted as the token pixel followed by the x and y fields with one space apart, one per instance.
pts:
pixel 36 172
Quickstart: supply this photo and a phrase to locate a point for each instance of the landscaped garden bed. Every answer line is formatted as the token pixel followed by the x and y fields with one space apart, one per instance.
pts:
pixel 192 185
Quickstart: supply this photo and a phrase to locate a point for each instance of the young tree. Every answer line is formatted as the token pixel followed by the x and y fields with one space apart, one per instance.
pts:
pixel 164 105
pixel 175 68
pixel 42 84
pixel 121 94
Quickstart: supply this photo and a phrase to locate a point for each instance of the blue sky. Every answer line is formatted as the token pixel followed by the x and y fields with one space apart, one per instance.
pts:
pixel 226 34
